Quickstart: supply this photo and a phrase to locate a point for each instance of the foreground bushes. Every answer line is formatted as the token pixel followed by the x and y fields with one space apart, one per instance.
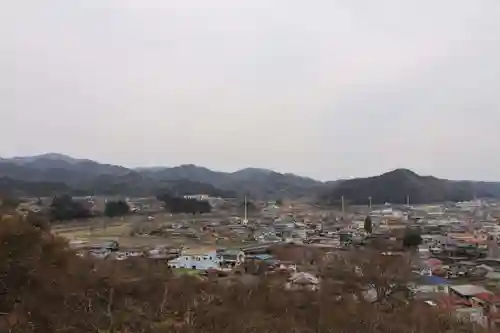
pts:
pixel 46 288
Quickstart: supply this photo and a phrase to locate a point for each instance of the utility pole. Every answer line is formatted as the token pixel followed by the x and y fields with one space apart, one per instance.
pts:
pixel 408 200
pixel 370 203
pixel 343 207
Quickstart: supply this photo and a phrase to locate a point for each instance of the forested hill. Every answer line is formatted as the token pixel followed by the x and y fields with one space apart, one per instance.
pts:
pixel 50 174
pixel 395 186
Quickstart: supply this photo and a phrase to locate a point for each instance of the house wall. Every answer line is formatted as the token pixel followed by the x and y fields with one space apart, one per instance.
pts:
pixel 433 289
pixel 238 257
pixel 293 286
pixel 474 314
pixel 197 261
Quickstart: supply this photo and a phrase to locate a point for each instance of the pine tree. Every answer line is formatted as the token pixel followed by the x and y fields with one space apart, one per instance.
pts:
pixel 368 224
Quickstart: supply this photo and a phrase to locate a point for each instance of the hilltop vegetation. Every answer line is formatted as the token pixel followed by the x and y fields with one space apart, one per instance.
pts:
pixel 47 288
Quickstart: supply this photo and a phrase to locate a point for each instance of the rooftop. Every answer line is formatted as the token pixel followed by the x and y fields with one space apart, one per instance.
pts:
pixel 198 251
pixel 434 280
pixel 468 289
pixel 488 297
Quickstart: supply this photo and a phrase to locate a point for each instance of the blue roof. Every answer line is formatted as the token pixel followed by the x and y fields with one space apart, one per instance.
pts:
pixel 261 257
pixel 434 280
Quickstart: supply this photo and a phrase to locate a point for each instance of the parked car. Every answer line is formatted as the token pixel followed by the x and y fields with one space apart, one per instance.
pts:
pixel 100 254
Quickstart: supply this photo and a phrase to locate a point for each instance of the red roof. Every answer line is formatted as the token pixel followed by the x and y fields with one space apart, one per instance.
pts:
pixel 488 298
pixel 434 262
pixel 452 302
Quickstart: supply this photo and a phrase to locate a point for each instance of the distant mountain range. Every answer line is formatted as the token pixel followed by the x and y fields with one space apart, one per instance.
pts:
pixel 50 174
pixel 396 186
pixel 60 173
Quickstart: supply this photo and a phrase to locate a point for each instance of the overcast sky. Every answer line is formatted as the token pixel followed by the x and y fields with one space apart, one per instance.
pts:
pixel 325 88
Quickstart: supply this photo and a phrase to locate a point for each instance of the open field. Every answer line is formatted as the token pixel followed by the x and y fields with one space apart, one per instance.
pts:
pixel 99 230
pixel 115 230
pixel 120 233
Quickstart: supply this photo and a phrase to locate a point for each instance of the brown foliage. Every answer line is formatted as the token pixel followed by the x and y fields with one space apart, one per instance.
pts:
pixel 46 288
pixel 299 254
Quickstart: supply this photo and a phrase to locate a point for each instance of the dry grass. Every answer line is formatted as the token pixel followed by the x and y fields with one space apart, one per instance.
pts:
pixel 95 231
pixel 120 230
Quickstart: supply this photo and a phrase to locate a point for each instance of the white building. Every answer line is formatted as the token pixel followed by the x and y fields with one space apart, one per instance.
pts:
pixel 199 261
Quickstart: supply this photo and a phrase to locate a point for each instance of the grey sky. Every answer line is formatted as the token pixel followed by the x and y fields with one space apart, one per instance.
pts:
pixel 322 88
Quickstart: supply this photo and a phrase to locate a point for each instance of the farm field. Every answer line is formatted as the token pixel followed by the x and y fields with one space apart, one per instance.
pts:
pixel 100 230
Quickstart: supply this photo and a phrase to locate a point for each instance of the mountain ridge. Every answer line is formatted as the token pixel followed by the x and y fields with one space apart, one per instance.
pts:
pixel 57 172
pixel 87 176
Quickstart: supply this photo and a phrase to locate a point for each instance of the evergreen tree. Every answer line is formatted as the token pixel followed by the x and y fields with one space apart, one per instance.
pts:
pixel 176 205
pixel 65 208
pixel 368 224
pixel 116 208
pixel 412 238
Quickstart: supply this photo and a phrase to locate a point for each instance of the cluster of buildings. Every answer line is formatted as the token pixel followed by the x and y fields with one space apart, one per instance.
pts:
pixel 457 266
pixel 458 261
